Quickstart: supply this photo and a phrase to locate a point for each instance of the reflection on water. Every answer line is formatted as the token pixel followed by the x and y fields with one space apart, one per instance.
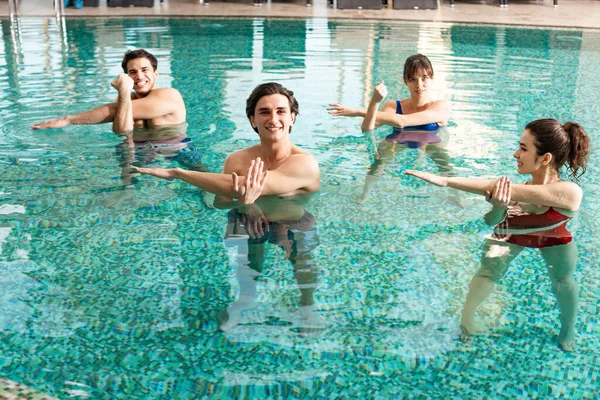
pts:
pixel 145 146
pixel 120 296
pixel 431 143
pixel 286 224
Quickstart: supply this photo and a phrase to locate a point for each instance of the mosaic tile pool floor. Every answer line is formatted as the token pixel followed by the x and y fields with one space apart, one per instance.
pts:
pixel 112 293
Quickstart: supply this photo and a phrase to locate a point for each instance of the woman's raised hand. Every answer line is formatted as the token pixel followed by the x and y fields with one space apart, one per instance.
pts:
pixel 500 197
pixel 379 93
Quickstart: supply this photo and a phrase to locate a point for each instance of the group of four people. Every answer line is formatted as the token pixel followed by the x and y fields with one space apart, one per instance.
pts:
pixel 531 215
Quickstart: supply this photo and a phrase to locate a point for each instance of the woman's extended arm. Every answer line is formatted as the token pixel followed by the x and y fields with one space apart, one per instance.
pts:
pixel 438 112
pixel 565 195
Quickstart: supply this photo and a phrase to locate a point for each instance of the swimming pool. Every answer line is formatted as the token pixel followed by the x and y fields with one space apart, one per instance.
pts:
pixel 110 296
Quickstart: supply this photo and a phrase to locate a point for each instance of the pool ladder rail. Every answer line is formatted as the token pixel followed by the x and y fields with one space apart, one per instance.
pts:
pixel 59 8
pixel 14 9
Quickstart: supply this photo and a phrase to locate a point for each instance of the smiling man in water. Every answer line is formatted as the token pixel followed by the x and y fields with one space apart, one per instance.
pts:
pixel 139 103
pixel 266 186
pixel 272 110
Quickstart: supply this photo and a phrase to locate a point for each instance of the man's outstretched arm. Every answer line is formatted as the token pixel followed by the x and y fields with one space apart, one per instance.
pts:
pixel 158 103
pixel 298 175
pixel 97 115
pixel 245 188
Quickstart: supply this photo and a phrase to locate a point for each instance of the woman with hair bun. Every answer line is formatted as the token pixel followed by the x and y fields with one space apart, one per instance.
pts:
pixel 534 214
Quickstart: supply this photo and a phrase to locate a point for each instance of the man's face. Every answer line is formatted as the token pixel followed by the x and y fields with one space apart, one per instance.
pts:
pixel 143 75
pixel 272 116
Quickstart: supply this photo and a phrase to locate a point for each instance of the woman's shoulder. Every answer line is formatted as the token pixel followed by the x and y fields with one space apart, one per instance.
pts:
pixel 568 186
pixel 431 104
pixel 571 192
pixel 389 105
pixel 439 103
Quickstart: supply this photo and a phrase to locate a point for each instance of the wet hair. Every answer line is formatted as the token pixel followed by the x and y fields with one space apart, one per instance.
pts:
pixel 415 63
pixel 267 89
pixel 568 144
pixel 139 53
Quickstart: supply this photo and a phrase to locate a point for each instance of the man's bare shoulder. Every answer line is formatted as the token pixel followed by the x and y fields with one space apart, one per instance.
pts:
pixel 304 161
pixel 166 93
pixel 302 156
pixel 305 167
pixel 238 161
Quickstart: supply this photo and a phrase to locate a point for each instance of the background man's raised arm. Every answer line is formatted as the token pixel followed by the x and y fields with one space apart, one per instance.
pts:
pixel 157 104
pixel 123 119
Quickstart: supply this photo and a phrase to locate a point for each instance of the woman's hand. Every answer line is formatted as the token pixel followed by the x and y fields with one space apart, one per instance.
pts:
pixel 379 93
pixel 500 197
pixel 254 182
pixel 339 110
pixel 428 177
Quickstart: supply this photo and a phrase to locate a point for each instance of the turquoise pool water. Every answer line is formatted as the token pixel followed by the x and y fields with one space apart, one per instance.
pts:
pixel 112 295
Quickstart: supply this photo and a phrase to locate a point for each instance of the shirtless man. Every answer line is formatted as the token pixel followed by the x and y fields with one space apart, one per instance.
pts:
pixel 274 167
pixel 266 186
pixel 148 106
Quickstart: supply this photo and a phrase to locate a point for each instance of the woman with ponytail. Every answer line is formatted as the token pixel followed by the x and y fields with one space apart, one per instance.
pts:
pixel 532 215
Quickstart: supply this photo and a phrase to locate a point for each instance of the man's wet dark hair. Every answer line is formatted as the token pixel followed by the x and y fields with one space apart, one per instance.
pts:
pixel 139 53
pixel 267 89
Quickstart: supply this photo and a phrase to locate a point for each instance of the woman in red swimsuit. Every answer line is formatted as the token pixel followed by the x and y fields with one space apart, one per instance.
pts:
pixel 531 215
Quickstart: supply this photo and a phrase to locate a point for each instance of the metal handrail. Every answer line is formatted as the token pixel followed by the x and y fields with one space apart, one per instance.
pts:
pixel 59 8
pixel 13 8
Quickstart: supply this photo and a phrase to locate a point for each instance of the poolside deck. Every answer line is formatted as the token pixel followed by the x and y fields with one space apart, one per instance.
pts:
pixel 569 13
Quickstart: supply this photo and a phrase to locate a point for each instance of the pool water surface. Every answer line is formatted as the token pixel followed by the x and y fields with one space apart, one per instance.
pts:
pixel 109 291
